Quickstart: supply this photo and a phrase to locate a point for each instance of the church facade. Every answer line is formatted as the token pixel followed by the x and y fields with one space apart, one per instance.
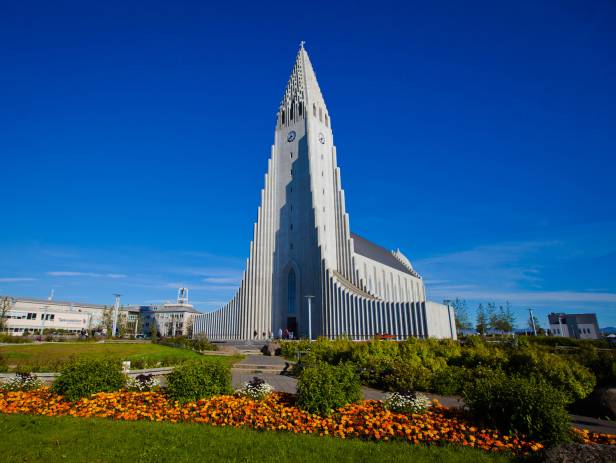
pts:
pixel 303 247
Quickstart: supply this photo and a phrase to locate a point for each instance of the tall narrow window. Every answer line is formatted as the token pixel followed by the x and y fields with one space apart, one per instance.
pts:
pixel 314 110
pixel 326 121
pixel 320 114
pixel 291 291
pixel 283 117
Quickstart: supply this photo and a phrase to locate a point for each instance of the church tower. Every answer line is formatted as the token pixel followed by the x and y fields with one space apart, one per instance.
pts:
pixel 303 246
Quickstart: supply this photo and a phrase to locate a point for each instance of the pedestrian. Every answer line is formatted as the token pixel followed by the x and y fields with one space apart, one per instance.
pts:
pixel 279 333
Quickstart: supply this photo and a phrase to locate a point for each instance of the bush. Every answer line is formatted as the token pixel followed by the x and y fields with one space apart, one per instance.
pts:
pixel 523 405
pixel 564 374
pixel 8 339
pixel 322 388
pixel 82 378
pixel 196 380
pixel 408 374
pixel 450 380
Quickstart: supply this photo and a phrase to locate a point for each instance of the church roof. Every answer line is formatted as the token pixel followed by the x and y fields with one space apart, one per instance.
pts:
pixel 378 253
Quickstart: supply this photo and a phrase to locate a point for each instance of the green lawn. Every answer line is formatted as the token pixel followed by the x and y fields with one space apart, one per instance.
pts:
pixel 37 438
pixel 49 357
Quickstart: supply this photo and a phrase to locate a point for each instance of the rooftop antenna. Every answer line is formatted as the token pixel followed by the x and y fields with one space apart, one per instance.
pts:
pixel 51 294
pixel 182 296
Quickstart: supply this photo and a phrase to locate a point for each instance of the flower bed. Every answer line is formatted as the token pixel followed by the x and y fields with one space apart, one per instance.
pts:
pixel 366 419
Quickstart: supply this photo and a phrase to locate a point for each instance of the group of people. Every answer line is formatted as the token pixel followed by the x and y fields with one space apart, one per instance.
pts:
pixel 286 334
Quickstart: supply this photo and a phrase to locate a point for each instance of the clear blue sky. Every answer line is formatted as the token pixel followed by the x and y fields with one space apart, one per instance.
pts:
pixel 479 137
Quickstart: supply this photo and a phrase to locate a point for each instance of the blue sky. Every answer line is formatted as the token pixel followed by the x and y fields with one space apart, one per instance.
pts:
pixel 478 137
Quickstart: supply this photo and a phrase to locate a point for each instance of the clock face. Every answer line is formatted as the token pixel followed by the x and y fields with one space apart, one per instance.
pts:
pixel 291 136
pixel 321 138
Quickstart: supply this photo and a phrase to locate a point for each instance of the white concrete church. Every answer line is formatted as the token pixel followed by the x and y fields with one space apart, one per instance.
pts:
pixel 303 246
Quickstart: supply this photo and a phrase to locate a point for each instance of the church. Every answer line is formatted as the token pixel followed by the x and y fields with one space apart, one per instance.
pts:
pixel 307 273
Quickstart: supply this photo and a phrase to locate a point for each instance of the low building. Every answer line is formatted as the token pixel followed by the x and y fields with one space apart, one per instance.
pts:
pixel 27 316
pixel 578 326
pixel 173 319
pixel 34 316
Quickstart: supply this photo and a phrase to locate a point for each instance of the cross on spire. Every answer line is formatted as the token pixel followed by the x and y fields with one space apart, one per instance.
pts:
pixel 301 44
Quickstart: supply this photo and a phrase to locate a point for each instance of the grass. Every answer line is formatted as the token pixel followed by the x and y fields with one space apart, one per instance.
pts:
pixel 37 438
pixel 49 357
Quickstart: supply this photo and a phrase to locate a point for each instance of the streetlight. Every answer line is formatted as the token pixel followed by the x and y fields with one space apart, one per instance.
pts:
pixel 116 307
pixel 532 320
pixel 309 297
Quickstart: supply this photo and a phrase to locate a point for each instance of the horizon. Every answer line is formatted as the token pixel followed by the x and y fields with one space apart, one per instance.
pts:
pixel 137 141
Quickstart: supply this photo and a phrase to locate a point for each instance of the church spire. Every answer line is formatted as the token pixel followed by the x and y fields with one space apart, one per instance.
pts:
pixel 302 91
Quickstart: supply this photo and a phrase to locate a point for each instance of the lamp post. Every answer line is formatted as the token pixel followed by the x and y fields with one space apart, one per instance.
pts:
pixel 116 307
pixel 532 320
pixel 309 297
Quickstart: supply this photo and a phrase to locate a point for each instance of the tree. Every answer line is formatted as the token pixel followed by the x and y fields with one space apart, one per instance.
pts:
pixel 482 320
pixel 492 316
pixel 5 306
pixel 107 321
pixel 463 321
pixel 188 331
pixel 122 324
pixel 153 328
pixel 503 319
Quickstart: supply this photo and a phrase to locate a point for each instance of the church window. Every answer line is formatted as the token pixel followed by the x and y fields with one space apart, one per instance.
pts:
pixel 321 157
pixel 326 121
pixel 323 190
pixel 291 291
pixel 283 117
pixel 322 174
pixel 300 108
pixel 323 208
pixel 291 155
pixel 291 111
pixel 314 110
pixel 320 115
pixel 291 227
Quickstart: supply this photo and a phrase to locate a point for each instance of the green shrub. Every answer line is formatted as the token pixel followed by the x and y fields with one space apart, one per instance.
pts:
pixel 322 388
pixel 196 380
pixel 450 380
pixel 523 405
pixel 8 339
pixel 408 375
pixel 82 378
pixel 564 374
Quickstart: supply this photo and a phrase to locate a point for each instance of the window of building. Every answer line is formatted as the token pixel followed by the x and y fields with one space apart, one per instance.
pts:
pixel 31 316
pixel 314 110
pixel 291 227
pixel 326 121
pixel 320 115
pixel 291 155
pixel 291 245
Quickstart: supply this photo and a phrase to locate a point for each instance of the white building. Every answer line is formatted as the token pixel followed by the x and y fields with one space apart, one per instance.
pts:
pixel 172 319
pixel 32 316
pixel 303 246
pixel 579 326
